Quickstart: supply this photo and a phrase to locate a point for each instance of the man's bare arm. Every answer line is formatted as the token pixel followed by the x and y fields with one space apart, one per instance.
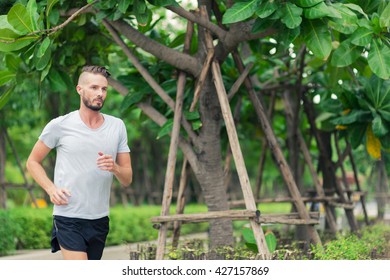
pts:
pixel 121 168
pixel 34 166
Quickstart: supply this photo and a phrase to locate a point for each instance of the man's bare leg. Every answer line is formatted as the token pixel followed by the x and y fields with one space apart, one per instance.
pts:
pixel 73 255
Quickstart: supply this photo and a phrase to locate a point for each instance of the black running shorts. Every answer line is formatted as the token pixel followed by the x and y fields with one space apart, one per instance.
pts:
pixel 83 235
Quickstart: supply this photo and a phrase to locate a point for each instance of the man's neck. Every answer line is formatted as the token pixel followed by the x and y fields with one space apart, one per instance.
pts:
pixel 93 119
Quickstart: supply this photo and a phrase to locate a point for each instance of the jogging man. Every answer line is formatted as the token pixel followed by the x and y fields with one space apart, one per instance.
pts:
pixel 91 149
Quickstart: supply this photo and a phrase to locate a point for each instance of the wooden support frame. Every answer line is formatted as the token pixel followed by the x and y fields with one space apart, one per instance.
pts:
pixel 276 150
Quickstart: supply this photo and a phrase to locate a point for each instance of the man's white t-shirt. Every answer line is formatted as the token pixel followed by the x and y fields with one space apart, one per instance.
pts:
pixel 76 169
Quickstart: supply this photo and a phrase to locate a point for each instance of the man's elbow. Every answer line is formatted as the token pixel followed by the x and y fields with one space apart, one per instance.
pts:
pixel 128 181
pixel 29 164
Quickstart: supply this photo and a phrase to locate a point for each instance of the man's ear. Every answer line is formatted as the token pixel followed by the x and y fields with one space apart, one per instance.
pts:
pixel 78 88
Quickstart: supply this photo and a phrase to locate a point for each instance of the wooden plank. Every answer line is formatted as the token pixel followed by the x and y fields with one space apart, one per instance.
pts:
pixel 288 218
pixel 348 206
pixel 238 203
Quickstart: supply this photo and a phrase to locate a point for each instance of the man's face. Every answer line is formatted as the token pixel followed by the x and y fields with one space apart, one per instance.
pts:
pixel 93 90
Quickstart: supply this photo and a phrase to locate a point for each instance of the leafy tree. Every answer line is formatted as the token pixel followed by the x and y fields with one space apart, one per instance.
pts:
pixel 333 41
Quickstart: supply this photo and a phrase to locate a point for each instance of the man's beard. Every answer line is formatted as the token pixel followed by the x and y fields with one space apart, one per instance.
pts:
pixel 89 105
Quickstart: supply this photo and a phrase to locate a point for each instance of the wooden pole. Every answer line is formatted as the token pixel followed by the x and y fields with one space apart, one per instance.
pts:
pixel 180 203
pixel 259 179
pixel 170 173
pixel 277 152
pixel 239 159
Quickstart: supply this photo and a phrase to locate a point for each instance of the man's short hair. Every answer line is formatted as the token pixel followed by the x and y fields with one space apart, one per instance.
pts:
pixel 96 70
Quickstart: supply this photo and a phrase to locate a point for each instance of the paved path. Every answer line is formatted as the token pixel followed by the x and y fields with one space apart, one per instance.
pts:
pixel 120 252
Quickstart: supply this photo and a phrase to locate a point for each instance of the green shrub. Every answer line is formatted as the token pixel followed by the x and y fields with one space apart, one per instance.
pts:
pixel 33 227
pixel 132 224
pixel 372 240
pixel 7 233
pixel 30 228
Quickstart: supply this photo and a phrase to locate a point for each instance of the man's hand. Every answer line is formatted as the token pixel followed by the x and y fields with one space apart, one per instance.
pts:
pixel 121 168
pixel 105 162
pixel 59 196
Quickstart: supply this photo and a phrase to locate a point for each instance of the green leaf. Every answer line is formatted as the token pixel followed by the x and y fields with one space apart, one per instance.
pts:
pixel 20 19
pixel 261 25
pixel 356 8
pixel 41 62
pixel 46 71
pixel 333 12
pixel 6 96
pixel 318 39
pixel 43 47
pixel 196 125
pixel 15 42
pixel 12 62
pixel 377 91
pixel 356 134
pixel 378 127
pixel 124 5
pixel 384 20
pixel 131 99
pixel 191 116
pixel 291 15
pixel 318 11
pixel 362 37
pixel 266 9
pixel 379 59
pixel 345 54
pixel 165 129
pixel 385 142
pixel 248 235
pixel 271 241
pixel 285 37
pixel 139 6
pixel 240 11
pixel 144 19
pixel 32 11
pixel 308 3
pixel 50 5
pixel 6 76
pixel 163 3
pixel 355 116
pixel 57 83
pixel 348 23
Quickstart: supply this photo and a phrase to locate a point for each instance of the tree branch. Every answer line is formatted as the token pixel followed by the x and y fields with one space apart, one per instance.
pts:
pixel 215 29
pixel 177 59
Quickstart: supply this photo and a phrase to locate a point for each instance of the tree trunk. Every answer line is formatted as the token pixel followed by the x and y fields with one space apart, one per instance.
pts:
pixel 3 191
pixel 381 189
pixel 211 176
